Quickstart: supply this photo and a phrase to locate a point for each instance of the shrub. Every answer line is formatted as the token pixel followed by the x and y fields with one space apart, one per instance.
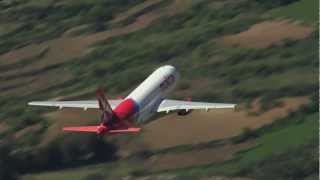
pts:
pixel 95 176
pixel 138 173
pixel 64 151
pixel 267 103
pixel 295 164
pixel 26 118
pixel 275 3
pixel 246 134
pixel 7 167
pixel 184 86
pixel 98 14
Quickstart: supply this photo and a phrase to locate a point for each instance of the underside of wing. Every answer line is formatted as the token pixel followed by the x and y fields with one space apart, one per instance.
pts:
pixel 74 104
pixel 129 130
pixel 171 105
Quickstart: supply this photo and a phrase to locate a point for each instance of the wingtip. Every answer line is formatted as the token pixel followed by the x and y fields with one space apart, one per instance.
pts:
pixel 235 107
pixel 33 103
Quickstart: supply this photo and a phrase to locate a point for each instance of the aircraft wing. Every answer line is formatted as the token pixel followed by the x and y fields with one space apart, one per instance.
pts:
pixel 171 105
pixel 74 104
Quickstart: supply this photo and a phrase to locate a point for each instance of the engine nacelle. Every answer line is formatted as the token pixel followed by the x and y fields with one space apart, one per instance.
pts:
pixel 183 112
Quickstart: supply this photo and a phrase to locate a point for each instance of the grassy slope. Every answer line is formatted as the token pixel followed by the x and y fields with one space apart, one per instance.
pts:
pixel 184 41
pixel 234 73
pixel 303 10
pixel 37 22
pixel 297 134
pixel 69 174
pixel 276 143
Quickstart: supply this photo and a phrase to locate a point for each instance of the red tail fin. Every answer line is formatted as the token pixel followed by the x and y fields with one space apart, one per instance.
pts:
pixel 107 113
pixel 103 102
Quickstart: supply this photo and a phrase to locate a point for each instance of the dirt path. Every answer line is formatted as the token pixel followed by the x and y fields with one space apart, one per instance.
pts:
pixel 201 126
pixel 267 33
pixel 3 127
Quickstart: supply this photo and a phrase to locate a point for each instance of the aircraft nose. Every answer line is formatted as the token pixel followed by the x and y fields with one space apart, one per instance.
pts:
pixel 169 67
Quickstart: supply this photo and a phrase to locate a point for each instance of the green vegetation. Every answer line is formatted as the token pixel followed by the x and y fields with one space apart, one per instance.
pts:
pixel 186 40
pixel 303 10
pixel 286 149
pixel 275 3
pixel 281 141
pixel 76 173
pixel 63 152
pixel 293 136
pixel 284 166
pixel 187 147
pixel 246 134
pixel 40 22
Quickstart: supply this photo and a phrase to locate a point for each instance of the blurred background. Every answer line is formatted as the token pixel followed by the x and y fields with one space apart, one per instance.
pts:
pixel 262 55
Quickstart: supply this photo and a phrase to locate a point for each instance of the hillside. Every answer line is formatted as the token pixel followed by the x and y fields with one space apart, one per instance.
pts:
pixel 262 55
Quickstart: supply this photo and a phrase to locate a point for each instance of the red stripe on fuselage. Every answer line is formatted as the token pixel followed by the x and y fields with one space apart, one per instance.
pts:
pixel 126 109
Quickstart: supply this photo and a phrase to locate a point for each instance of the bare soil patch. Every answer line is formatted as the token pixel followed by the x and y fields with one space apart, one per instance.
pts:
pixel 28 84
pixel 201 126
pixel 67 117
pixel 138 8
pixel 3 127
pixel 65 49
pixel 173 130
pixel 29 129
pixel 25 52
pixel 141 22
pixel 267 33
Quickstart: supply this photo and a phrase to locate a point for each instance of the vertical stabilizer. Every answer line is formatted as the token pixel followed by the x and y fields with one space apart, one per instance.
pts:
pixel 104 106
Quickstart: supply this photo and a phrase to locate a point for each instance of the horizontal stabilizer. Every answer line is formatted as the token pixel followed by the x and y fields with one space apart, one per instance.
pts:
pixel 93 129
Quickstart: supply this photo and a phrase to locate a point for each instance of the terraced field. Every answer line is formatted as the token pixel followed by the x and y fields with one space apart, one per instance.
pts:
pixel 259 54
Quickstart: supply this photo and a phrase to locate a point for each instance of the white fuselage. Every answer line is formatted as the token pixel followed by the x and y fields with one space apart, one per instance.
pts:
pixel 150 93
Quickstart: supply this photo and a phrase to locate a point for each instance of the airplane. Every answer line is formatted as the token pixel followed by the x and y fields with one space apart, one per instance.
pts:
pixel 121 115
